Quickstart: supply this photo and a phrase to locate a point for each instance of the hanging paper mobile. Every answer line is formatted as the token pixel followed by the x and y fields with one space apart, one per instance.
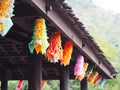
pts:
pixel 6 10
pixel 54 51
pixel 39 40
pixel 97 79
pixel 92 76
pixel 67 52
pixel 83 74
pixel 89 70
pixel 20 84
pixel 80 68
pixel 43 83
pixel 102 82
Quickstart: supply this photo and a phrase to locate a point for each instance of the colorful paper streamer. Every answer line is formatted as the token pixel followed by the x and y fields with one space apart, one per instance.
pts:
pixel 92 77
pixel 54 51
pixel 6 12
pixel 102 82
pixel 39 40
pixel 67 52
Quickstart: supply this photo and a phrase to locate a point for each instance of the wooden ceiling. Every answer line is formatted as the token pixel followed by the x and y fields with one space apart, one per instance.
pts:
pixel 14 53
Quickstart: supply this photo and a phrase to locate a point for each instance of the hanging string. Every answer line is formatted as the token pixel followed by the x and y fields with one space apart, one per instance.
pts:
pixel 67 52
pixel 39 40
pixel 6 12
pixel 54 51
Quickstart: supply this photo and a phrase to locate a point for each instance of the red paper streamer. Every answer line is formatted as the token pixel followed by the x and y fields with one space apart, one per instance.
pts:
pixel 54 51
pixel 20 84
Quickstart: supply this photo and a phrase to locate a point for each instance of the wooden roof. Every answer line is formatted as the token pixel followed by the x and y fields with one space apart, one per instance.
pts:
pixel 14 52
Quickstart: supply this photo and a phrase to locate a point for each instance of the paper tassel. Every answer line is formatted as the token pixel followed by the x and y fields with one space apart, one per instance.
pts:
pixel 89 70
pixel 79 66
pixel 102 82
pixel 54 51
pixel 20 84
pixel 7 24
pixel 97 80
pixel 6 10
pixel 92 77
pixel 67 52
pixel 83 74
pixel 43 83
pixel 39 40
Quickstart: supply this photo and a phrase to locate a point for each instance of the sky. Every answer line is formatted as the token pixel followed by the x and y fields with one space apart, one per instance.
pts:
pixel 111 5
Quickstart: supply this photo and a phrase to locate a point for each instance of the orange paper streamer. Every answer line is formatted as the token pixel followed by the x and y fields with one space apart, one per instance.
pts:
pixel 4 6
pixel 39 33
pixel 68 48
pixel 54 51
pixel 43 83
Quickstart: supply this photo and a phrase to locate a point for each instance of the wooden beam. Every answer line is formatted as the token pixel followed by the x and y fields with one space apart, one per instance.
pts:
pixel 24 9
pixel 24 24
pixel 58 20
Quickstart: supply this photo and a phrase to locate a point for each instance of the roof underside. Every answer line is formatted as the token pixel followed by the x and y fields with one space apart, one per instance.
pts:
pixel 14 52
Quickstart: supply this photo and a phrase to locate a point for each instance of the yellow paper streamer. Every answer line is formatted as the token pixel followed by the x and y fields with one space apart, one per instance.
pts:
pixel 92 77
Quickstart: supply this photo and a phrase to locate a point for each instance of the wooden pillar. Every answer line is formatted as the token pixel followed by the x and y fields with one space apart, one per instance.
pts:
pixel 64 78
pixel 84 84
pixel 36 75
pixel 4 80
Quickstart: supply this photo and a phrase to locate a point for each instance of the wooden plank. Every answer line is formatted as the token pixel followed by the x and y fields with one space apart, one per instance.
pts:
pixel 20 21
pixel 57 20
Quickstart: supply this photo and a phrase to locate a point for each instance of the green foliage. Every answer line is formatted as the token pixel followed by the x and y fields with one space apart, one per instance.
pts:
pixel 52 85
pixel 12 85
pixel 109 50
pixel 74 85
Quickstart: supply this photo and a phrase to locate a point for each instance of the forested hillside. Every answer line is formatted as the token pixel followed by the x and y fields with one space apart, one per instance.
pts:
pixel 101 24
pixel 105 28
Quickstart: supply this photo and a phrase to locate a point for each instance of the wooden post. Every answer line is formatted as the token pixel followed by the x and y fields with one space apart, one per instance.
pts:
pixel 64 78
pixel 4 80
pixel 36 75
pixel 84 84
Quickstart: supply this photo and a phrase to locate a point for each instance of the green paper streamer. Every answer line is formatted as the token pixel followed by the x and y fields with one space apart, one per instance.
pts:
pixel 31 46
pixel 7 24
pixel 102 82
pixel 90 70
